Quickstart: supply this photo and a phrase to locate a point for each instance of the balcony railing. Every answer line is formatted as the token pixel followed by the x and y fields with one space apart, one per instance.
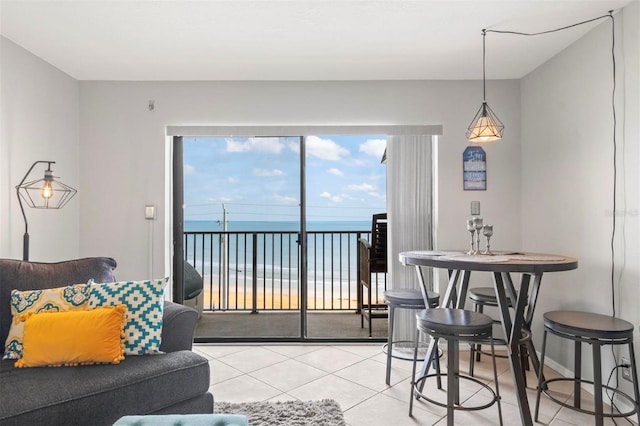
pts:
pixel 253 271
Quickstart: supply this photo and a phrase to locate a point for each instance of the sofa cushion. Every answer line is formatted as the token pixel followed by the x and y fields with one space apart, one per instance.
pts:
pixel 73 297
pixel 19 275
pixel 144 301
pixel 101 394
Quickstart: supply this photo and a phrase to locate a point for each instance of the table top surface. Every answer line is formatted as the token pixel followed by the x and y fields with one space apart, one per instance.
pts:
pixel 502 261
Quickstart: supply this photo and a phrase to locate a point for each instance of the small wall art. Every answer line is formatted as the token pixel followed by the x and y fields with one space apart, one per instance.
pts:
pixel 474 169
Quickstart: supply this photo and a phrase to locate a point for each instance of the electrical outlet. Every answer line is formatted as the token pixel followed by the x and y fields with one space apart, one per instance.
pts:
pixel 626 370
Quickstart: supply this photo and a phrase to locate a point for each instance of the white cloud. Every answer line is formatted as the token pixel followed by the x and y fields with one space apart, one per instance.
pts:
pixel 283 199
pixel 377 195
pixel 266 145
pixel 325 149
pixel 364 187
pixel 336 198
pixel 267 173
pixel 334 171
pixel 189 169
pixel 233 180
pixel 374 147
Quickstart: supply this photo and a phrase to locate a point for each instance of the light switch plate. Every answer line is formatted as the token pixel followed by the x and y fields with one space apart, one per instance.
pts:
pixel 150 212
pixel 475 208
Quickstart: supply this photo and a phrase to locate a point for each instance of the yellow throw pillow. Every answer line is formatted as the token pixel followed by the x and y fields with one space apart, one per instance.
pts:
pixel 73 337
pixel 69 298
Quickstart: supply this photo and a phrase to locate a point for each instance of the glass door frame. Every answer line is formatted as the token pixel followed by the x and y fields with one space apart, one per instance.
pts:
pixel 176 192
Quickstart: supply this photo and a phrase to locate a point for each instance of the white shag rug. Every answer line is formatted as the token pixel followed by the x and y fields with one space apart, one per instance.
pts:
pixel 325 412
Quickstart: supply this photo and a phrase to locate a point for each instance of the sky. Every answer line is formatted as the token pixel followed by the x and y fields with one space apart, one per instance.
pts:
pixel 257 179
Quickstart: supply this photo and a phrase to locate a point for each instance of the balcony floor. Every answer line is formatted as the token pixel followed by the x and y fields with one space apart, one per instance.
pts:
pixel 326 325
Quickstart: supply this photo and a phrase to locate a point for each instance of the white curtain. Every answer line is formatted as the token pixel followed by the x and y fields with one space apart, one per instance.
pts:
pixel 410 215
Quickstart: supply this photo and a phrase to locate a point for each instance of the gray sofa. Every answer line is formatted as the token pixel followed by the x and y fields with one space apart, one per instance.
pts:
pixel 175 382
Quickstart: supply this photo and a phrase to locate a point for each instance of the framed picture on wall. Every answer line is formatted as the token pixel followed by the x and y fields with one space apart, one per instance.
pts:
pixel 474 169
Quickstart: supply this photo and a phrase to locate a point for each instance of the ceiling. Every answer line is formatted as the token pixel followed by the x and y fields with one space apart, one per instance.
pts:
pixel 294 39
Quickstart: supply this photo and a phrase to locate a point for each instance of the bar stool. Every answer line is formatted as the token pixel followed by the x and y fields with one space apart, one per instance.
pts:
pixel 403 298
pixel 454 325
pixel 597 330
pixel 486 296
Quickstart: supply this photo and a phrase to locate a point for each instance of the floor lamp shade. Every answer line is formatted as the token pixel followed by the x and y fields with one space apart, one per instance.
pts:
pixel 44 193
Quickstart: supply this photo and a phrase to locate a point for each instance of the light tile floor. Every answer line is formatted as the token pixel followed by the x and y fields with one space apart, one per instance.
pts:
pixel 354 375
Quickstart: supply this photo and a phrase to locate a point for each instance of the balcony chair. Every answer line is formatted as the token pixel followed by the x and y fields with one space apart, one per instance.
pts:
pixel 372 259
pixel 193 287
pixel 368 310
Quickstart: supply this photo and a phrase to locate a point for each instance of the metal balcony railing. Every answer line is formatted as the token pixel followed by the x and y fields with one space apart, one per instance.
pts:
pixel 254 271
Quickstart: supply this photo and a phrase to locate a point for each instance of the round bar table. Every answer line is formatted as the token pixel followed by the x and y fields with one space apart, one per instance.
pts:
pixel 501 265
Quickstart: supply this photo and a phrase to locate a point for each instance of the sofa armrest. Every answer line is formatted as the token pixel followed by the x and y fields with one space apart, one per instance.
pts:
pixel 178 325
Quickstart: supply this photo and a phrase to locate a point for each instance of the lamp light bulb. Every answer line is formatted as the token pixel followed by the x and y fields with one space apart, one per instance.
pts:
pixel 47 190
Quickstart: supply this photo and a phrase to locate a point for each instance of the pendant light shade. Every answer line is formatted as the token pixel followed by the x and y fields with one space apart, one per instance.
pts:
pixel 485 126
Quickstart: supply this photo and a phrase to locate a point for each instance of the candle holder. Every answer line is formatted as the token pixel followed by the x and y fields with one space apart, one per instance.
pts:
pixel 472 231
pixel 487 231
pixel 477 224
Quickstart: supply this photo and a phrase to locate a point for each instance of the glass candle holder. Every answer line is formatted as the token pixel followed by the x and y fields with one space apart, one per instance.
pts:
pixel 487 231
pixel 477 224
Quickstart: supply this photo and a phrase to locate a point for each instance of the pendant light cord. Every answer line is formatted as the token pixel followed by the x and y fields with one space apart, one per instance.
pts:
pixel 613 107
pixel 615 169
pixel 553 30
pixel 484 73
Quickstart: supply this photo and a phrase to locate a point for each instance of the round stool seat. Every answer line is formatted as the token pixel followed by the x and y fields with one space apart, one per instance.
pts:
pixel 410 297
pixel 587 324
pixel 454 322
pixel 486 296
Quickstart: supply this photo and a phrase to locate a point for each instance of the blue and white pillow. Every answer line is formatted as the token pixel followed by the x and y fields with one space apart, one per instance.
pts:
pixel 144 301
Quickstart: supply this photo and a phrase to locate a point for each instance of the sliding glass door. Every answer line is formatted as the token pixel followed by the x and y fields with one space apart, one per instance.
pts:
pixel 242 232
pixel 271 225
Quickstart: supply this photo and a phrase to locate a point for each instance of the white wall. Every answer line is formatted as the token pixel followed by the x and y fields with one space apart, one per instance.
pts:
pixel 567 183
pixel 38 121
pixel 123 148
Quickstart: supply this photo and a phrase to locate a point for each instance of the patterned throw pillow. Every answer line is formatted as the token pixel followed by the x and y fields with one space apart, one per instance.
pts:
pixel 144 301
pixel 73 297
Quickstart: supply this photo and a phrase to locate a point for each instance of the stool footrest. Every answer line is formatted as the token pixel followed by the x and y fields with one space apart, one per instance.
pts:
pixel 545 390
pixel 418 394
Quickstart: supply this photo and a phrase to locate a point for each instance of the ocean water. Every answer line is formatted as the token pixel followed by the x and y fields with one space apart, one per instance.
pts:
pixel 229 260
pixel 235 226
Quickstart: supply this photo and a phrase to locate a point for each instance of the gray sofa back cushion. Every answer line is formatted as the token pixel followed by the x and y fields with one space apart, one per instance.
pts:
pixel 20 275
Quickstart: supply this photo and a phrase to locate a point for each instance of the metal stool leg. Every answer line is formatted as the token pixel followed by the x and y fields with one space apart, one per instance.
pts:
pixel 390 341
pixel 413 372
pixel 436 361
pixel 495 378
pixel 452 388
pixel 540 375
pixel 577 374
pixel 634 372
pixel 597 384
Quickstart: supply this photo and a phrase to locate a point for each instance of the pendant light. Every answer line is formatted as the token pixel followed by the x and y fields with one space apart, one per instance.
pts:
pixel 485 126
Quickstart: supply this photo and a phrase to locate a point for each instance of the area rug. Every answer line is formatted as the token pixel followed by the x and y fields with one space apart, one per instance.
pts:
pixel 325 412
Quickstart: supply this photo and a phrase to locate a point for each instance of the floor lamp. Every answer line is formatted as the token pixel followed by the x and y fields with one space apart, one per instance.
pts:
pixel 45 193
